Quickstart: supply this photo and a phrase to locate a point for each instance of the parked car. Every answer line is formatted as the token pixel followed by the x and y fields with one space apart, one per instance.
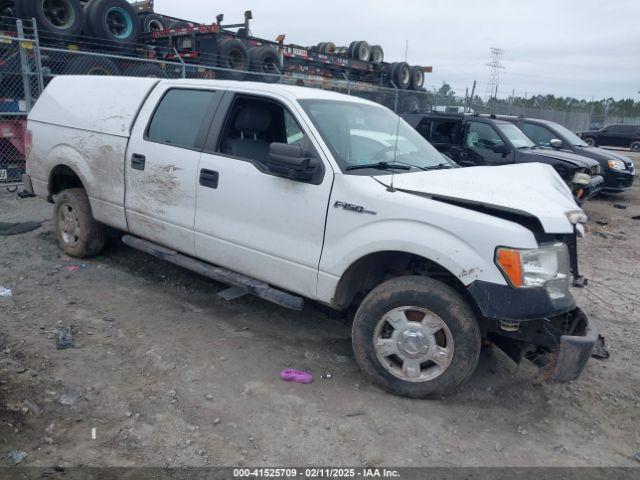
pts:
pixel 618 171
pixel 616 135
pixel 472 140
pixel 291 192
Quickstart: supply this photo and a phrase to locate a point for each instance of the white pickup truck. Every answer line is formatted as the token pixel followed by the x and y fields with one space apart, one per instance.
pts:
pixel 293 193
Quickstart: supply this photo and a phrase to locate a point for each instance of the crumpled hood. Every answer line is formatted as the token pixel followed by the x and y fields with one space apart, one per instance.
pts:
pixel 532 189
pixel 573 158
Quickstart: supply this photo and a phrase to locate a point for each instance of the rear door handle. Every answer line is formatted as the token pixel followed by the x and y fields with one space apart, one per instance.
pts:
pixel 209 178
pixel 137 161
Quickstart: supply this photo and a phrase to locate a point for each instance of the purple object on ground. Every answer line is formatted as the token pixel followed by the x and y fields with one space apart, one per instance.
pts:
pixel 290 375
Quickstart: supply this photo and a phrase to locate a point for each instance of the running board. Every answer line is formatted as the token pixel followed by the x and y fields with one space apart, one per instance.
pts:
pixel 219 274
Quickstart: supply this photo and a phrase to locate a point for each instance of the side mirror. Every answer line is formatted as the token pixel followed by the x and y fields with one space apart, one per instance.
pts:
pixel 556 143
pixel 290 161
pixel 500 149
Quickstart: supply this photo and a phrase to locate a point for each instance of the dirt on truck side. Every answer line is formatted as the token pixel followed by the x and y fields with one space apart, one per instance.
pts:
pixel 163 372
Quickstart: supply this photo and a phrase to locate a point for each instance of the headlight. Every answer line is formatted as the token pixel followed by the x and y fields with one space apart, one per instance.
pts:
pixel 547 266
pixel 617 165
pixel 577 217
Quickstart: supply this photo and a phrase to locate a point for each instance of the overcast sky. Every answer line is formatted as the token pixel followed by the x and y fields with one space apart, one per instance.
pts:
pixel 579 48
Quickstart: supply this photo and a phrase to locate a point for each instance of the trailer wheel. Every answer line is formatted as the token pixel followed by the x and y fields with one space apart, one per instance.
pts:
pixel 233 55
pixel 415 336
pixel 113 20
pixel 152 23
pixel 359 51
pixel 88 65
pixel 8 8
pixel 417 78
pixel 60 18
pixel 327 47
pixel 266 61
pixel 400 75
pixel 377 54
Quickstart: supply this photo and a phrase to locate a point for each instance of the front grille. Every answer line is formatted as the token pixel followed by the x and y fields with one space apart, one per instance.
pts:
pixel 595 170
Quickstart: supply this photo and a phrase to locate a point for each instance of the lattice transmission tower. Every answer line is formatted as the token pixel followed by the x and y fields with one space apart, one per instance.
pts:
pixel 495 66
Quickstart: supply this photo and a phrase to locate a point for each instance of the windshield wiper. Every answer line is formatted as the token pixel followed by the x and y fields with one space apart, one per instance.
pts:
pixel 380 166
pixel 440 166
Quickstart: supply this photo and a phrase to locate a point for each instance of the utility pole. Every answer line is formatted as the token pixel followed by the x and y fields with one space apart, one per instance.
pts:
pixel 473 92
pixel 495 65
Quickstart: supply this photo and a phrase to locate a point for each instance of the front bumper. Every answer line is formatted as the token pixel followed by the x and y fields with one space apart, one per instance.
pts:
pixel 574 353
pixel 585 192
pixel 618 180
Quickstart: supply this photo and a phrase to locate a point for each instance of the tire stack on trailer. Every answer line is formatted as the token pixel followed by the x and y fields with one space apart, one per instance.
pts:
pixel 103 25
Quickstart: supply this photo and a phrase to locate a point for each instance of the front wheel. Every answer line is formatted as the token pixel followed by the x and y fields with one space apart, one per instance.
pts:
pixel 78 233
pixel 416 337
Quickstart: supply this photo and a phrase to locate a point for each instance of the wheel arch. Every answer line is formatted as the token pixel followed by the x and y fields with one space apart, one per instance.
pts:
pixel 61 178
pixel 370 270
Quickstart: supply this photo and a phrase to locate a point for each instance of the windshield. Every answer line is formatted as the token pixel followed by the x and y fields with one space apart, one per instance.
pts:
pixel 516 136
pixel 360 135
pixel 568 136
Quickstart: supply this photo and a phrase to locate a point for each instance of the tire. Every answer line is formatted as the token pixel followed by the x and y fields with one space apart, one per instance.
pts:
pixel 90 65
pixel 327 47
pixel 233 55
pixel 400 75
pixel 152 23
pixel 59 18
pixel 359 51
pixel 635 146
pixel 377 54
pixel 456 341
pixel 417 78
pixel 7 9
pixel 590 141
pixel 113 20
pixel 77 232
pixel 266 61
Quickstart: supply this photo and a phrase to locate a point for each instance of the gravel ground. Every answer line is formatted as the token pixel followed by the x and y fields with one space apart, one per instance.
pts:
pixel 166 373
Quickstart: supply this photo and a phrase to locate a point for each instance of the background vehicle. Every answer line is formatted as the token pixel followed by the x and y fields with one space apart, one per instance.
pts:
pixel 496 264
pixel 618 171
pixel 616 135
pixel 472 140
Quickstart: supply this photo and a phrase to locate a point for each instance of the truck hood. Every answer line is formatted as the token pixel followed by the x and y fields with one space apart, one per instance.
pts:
pixel 530 190
pixel 570 157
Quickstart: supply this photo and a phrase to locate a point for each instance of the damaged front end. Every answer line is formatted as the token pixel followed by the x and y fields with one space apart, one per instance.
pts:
pixel 585 186
pixel 559 345
pixel 535 316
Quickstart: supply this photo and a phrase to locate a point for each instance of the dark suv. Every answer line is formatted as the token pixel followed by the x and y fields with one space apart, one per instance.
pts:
pixel 618 170
pixel 616 135
pixel 473 140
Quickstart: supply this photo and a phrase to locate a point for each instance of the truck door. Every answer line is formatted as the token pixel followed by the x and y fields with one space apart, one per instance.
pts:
pixel 248 220
pixel 161 166
pixel 484 145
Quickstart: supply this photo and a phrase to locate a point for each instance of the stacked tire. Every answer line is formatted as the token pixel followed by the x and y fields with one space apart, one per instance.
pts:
pixel 266 62
pixel 112 20
pixel 60 19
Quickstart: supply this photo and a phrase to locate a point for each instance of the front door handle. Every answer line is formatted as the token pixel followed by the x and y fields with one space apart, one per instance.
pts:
pixel 209 178
pixel 137 161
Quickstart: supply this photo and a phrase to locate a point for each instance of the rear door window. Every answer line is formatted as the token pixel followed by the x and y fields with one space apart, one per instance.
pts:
pixel 179 117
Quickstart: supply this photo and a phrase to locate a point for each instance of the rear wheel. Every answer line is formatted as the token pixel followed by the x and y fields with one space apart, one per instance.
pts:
pixel 415 336
pixel 635 147
pixel 77 232
pixel 590 141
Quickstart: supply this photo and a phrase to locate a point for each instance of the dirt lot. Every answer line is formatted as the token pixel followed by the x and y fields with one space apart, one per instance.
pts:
pixel 168 373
